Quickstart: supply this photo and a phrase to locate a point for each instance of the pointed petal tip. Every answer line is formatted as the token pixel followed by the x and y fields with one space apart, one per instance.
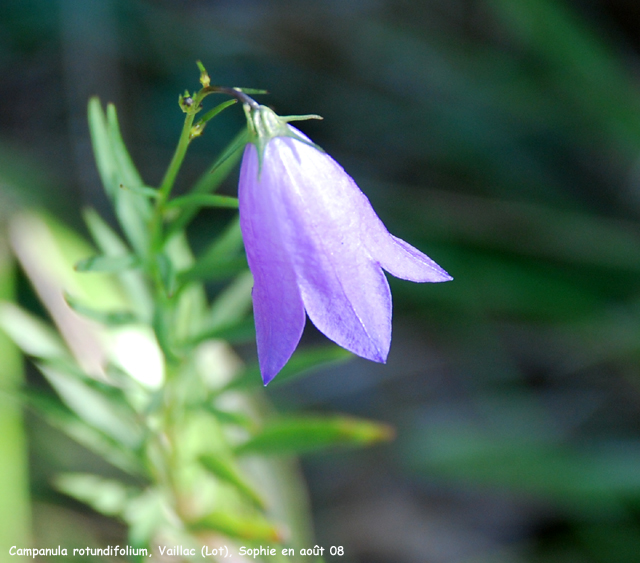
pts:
pixel 268 376
pixel 432 273
pixel 403 261
pixel 376 355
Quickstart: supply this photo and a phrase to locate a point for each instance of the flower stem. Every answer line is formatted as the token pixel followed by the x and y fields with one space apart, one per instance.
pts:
pixel 178 157
pixel 163 302
pixel 168 182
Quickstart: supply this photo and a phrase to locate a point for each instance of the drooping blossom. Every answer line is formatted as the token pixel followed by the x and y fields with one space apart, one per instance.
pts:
pixel 315 245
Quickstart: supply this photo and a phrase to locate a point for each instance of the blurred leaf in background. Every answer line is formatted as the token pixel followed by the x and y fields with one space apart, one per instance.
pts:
pixel 15 514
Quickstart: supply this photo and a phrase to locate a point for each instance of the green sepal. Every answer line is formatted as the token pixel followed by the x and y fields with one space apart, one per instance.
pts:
pixel 264 124
pixel 305 117
pixel 252 91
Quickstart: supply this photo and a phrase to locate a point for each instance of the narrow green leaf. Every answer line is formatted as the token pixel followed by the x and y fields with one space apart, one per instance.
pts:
pixel 199 126
pixel 301 363
pixel 224 269
pixel 116 168
pixel 95 408
pixel 112 388
pixel 146 191
pixel 61 417
pixel 109 318
pixel 305 434
pixel 190 299
pixel 203 200
pixel 112 245
pixel 146 514
pixel 130 175
pixel 228 417
pixel 102 150
pixel 108 263
pixel 225 470
pixel 222 165
pixel 162 326
pixel 211 180
pixel 105 496
pixel 132 223
pixel 249 529
pixel 105 237
pixel 204 75
pixel 32 335
pixel 14 481
pixel 132 208
pixel 167 273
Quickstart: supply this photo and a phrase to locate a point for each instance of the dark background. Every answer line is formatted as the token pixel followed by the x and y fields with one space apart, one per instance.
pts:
pixel 502 137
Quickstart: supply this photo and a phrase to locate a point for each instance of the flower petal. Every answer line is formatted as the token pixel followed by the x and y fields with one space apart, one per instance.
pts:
pixel 345 292
pixel 277 304
pixel 401 259
pixel 344 200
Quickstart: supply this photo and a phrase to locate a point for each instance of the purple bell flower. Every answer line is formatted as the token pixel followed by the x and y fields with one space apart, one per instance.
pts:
pixel 314 244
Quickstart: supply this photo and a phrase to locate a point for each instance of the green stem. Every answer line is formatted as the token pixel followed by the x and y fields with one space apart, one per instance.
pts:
pixel 167 183
pixel 178 157
pixel 163 302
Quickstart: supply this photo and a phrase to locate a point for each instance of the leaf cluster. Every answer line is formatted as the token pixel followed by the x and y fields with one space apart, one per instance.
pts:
pixel 139 366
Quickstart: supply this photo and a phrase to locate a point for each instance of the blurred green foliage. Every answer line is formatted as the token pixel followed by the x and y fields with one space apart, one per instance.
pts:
pixel 132 379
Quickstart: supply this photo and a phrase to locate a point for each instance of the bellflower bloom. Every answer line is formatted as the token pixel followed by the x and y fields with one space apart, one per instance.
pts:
pixel 314 244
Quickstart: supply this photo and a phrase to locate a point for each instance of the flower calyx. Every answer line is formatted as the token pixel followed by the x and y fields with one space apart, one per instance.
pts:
pixel 264 124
